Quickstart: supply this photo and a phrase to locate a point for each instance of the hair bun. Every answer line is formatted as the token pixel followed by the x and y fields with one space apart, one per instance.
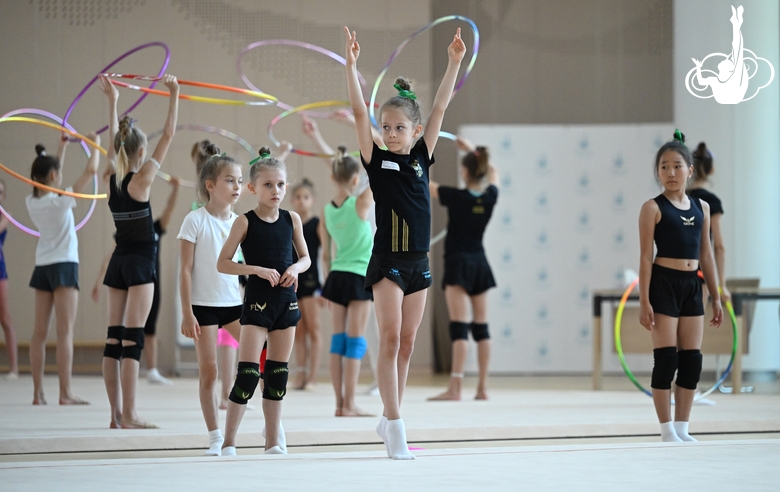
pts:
pixel 403 83
pixel 40 150
pixel 342 150
pixel 306 182
pixel 679 136
pixel 264 151
pixel 701 148
pixel 211 149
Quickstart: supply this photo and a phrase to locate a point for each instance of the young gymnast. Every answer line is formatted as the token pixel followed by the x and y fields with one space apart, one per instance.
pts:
pixel 307 333
pixel 702 170
pixel 467 274
pixel 153 375
pixel 5 312
pixel 210 299
pixel 267 236
pixel 398 271
pixel 56 275
pixel 345 224
pixel 670 293
pixel 130 275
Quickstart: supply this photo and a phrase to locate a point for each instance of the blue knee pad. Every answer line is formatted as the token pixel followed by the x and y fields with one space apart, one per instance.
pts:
pixel 338 344
pixel 689 368
pixel 356 347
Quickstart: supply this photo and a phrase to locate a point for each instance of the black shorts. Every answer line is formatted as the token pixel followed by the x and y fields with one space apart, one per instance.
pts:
pixel 308 285
pixel 271 315
pixel 345 287
pixel 675 293
pixel 469 270
pixel 49 277
pixel 412 275
pixel 125 271
pixel 216 315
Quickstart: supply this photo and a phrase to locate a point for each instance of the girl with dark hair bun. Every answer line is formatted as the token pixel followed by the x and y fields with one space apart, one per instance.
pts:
pixel 703 165
pixel 56 275
pixel 670 293
pixel 467 274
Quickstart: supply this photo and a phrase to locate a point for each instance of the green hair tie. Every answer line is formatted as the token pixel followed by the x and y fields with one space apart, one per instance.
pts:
pixel 405 93
pixel 679 136
pixel 262 156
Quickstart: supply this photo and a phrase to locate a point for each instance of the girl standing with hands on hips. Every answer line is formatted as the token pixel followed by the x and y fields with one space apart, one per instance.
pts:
pixel 267 235
pixel 670 293
pixel 210 300
pixel 56 275
pixel 467 274
pixel 398 272
pixel 130 275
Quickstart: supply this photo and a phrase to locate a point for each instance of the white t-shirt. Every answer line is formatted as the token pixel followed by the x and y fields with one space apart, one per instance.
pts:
pixel 209 287
pixel 52 214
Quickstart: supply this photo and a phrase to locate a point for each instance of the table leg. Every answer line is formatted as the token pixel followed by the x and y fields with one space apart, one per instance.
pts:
pixel 597 352
pixel 736 371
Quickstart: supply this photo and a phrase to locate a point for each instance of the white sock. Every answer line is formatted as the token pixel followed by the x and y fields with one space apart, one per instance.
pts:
pixel 381 429
pixel 397 448
pixel 681 428
pixel 668 434
pixel 215 443
pixel 275 450
pixel 229 451
pixel 282 439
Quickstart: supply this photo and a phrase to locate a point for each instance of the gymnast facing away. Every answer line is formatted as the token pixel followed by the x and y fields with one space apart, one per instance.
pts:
pixel 130 275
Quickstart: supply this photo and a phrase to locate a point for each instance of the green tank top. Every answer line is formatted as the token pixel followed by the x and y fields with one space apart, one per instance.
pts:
pixel 351 235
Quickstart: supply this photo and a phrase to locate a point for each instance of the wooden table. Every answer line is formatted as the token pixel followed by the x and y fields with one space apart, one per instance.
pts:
pixel 738 298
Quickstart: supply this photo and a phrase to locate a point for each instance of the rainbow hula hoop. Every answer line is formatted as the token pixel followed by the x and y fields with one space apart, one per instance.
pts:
pixel 266 98
pixel 304 107
pixel 85 147
pixel 208 129
pixel 401 46
pixel 108 67
pixel 298 44
pixel 619 345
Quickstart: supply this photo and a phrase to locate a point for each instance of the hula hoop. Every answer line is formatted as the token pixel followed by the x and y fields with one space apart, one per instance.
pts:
pixel 619 345
pixel 108 67
pixel 84 146
pixel 401 46
pixel 267 98
pixel 41 185
pixel 304 107
pixel 298 44
pixel 203 128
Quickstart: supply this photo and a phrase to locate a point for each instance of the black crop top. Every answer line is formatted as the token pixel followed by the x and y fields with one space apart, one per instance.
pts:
pixel 468 215
pixel 678 233
pixel 133 220
pixel 269 245
pixel 403 201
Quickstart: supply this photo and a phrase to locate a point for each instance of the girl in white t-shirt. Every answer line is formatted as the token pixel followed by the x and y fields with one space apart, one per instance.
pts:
pixel 56 275
pixel 209 299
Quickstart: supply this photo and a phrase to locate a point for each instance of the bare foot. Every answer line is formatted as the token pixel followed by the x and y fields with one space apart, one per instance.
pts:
pixel 73 400
pixel 39 400
pixel 446 396
pixel 137 424
pixel 337 413
pixel 354 412
pixel 481 395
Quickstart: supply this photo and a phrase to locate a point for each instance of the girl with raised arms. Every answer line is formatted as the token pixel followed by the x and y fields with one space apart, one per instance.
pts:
pixel 130 275
pixel 670 293
pixel 398 271
pixel 210 300
pixel 267 236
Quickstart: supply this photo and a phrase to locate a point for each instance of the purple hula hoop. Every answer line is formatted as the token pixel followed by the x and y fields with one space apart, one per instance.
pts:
pixel 56 118
pixel 108 67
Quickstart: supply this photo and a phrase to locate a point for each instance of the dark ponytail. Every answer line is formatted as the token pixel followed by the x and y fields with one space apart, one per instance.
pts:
pixel 477 163
pixel 42 166
pixel 702 161
pixel 344 166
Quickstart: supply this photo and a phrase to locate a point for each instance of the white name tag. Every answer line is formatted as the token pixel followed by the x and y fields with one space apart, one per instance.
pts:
pixel 391 165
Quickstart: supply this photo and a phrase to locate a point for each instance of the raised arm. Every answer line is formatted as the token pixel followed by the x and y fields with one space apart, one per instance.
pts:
pixel 285 148
pixel 112 94
pixel 312 131
pixel 165 218
pixel 92 166
pixel 648 218
pixel 455 52
pixel 149 168
pixel 364 202
pixel 348 119
pixel 356 101
pixel 61 148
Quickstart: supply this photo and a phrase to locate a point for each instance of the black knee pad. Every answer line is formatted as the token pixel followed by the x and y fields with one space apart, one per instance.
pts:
pixel 133 335
pixel 665 364
pixel 114 350
pixel 689 368
pixel 459 331
pixel 479 331
pixel 247 377
pixel 275 380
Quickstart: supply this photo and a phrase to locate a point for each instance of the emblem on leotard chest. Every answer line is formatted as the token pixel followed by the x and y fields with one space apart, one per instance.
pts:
pixel 417 168
pixel 687 222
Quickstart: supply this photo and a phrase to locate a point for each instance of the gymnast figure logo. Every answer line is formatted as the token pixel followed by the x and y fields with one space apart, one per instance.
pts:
pixel 730 84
